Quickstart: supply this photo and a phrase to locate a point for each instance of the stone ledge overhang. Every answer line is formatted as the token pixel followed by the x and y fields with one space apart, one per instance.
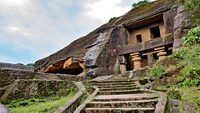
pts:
pixel 156 13
pixel 148 45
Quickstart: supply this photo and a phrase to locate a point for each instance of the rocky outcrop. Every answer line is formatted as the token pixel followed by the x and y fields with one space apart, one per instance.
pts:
pixel 106 61
pixel 106 58
pixel 182 23
pixel 76 49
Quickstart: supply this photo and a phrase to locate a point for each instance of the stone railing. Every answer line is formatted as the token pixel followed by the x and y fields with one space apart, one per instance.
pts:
pixel 162 101
pixel 89 99
pixel 8 66
pixel 147 45
pixel 71 106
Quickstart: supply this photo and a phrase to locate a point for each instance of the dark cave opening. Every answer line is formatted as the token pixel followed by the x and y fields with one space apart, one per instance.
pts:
pixel 73 69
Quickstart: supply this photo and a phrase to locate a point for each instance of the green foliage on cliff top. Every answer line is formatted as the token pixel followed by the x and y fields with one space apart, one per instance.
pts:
pixel 191 4
pixel 194 7
pixel 140 3
pixel 113 19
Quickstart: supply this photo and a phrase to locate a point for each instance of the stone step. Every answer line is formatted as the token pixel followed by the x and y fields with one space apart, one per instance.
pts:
pixel 118 88
pixel 119 110
pixel 111 92
pixel 124 104
pixel 112 84
pixel 113 81
pixel 116 85
pixel 126 97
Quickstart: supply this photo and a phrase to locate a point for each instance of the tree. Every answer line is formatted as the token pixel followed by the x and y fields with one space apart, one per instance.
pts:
pixel 140 3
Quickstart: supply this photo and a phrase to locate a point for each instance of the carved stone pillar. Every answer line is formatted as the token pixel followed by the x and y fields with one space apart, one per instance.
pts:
pixel 123 69
pixel 123 62
pixel 150 59
pixel 136 59
pixel 162 54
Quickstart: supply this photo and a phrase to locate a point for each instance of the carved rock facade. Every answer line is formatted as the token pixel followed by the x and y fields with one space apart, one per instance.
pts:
pixel 131 42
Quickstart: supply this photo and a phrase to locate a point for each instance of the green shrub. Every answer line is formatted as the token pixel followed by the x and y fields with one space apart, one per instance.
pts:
pixel 192 71
pixel 113 19
pixel 174 94
pixel 156 71
pixel 192 37
pixel 189 83
pixel 192 4
pixel 189 59
pixel 180 54
pixel 140 3
pixel 188 56
pixel 189 76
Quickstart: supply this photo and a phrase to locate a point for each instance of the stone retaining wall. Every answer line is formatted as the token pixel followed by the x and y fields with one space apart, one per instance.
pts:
pixel 36 88
pixel 9 76
pixel 72 104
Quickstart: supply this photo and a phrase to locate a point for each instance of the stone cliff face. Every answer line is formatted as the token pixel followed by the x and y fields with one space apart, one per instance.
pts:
pixel 115 35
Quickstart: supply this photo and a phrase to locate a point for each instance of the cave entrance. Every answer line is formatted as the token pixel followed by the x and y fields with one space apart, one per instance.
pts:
pixel 73 69
pixel 69 66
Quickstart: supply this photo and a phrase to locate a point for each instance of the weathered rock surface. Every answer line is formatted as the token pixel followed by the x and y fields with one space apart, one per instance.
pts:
pixel 106 60
pixel 182 23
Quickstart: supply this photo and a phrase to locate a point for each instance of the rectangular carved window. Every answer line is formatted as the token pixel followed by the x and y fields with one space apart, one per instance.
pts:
pixel 155 32
pixel 139 38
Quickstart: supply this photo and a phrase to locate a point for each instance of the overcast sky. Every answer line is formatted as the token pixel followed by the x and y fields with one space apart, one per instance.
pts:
pixel 33 29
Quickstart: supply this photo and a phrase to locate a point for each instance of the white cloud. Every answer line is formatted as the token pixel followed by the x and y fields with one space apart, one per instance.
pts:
pixel 16 30
pixel 45 26
pixel 11 3
pixel 105 9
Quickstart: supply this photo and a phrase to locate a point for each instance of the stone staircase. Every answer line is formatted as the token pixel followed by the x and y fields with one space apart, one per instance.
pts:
pixel 121 96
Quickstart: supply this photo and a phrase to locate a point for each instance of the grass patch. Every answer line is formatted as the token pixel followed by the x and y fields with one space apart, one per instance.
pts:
pixel 161 87
pixel 156 71
pixel 189 58
pixel 183 85
pixel 49 105
pixel 191 94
